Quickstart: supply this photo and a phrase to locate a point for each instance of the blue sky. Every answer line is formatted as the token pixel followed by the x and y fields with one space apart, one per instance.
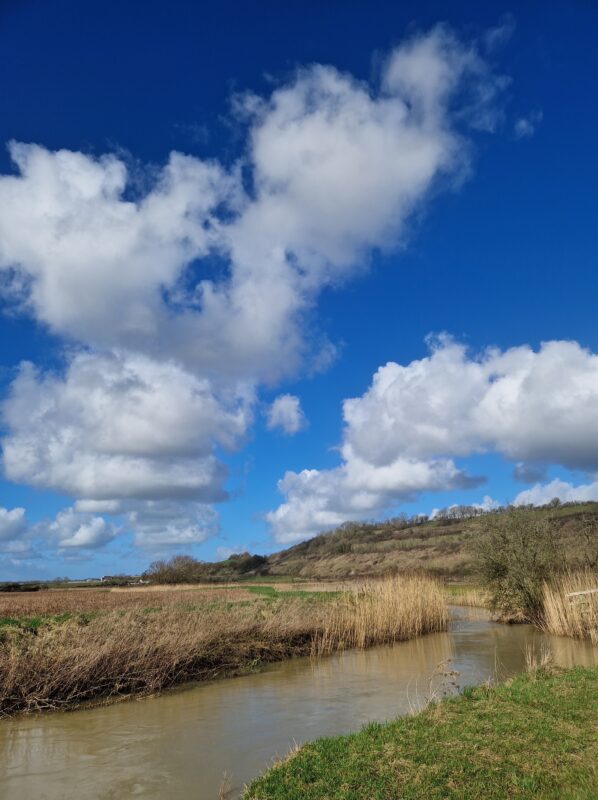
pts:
pixel 357 185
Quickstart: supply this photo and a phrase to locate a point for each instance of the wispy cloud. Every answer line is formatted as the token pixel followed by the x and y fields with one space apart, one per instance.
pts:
pixel 525 127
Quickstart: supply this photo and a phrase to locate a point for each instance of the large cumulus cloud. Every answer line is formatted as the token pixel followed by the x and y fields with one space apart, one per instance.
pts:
pixel 403 434
pixel 179 300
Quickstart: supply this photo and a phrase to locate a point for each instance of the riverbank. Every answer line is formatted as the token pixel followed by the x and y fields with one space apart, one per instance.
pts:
pixel 534 737
pixel 569 604
pixel 54 656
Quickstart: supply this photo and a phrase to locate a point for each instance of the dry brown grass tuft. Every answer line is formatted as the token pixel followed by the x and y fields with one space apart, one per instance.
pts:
pixel 575 616
pixel 537 660
pixel 137 650
pixel 379 612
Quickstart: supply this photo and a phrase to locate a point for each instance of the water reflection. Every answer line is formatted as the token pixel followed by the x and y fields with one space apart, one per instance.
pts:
pixel 181 744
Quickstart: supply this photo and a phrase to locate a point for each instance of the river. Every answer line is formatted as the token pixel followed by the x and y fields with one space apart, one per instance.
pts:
pixel 182 744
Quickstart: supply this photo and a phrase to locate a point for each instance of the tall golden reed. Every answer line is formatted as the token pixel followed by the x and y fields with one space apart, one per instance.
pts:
pixel 575 616
pixel 140 651
pixel 384 611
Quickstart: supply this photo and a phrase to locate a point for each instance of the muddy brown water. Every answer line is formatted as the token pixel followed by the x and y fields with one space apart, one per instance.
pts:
pixel 182 743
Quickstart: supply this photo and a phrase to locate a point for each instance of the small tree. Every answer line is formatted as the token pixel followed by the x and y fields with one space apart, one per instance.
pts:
pixel 178 569
pixel 589 538
pixel 517 552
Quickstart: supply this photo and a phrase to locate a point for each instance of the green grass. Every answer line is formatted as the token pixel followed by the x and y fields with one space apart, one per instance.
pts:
pixel 456 589
pixel 270 593
pixel 536 737
pixel 264 591
pixel 36 622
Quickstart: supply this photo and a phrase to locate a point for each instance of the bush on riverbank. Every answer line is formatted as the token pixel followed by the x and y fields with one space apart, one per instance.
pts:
pixel 532 738
pixel 62 661
pixel 517 555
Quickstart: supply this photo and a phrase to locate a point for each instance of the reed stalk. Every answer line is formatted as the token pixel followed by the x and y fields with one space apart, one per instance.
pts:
pixel 567 613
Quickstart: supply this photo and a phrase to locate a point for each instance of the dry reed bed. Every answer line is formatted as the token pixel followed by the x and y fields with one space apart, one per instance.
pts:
pixel 60 601
pixel 134 652
pixel 381 612
pixel 572 616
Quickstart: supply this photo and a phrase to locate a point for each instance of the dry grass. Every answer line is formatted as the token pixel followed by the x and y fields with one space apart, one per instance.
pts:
pixel 537 660
pixel 471 596
pixel 73 601
pixel 16 605
pixel 572 616
pixel 377 612
pixel 136 650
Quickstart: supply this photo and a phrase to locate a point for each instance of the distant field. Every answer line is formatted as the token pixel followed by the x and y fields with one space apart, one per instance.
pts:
pixel 55 605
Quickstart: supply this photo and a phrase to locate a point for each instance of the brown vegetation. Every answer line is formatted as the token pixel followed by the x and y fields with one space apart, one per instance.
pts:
pixel 517 553
pixel 444 546
pixel 76 601
pixel 191 635
pixel 470 596
pixel 567 613
pixel 384 611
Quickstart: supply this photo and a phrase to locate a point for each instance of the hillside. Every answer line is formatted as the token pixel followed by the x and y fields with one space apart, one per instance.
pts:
pixel 442 547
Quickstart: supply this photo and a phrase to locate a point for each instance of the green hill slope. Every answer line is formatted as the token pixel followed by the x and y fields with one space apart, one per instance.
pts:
pixel 440 546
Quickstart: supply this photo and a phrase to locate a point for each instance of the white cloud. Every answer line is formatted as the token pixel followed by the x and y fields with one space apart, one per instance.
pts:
pixel 525 127
pixel 12 524
pixel 333 168
pixel 286 413
pixel 401 436
pixel 530 406
pixel 225 552
pixel 87 506
pixel 156 525
pixel 71 529
pixel 119 426
pixel 162 524
pixel 540 494
pixel 487 504
pixel 337 167
pixel 321 499
pixel 427 70
pixel 94 260
pixel 159 524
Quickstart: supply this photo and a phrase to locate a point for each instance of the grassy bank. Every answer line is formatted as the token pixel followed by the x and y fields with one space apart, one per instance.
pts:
pixel 536 737
pixel 80 648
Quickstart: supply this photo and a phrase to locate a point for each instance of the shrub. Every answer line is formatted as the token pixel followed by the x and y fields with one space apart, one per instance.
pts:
pixel 517 553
